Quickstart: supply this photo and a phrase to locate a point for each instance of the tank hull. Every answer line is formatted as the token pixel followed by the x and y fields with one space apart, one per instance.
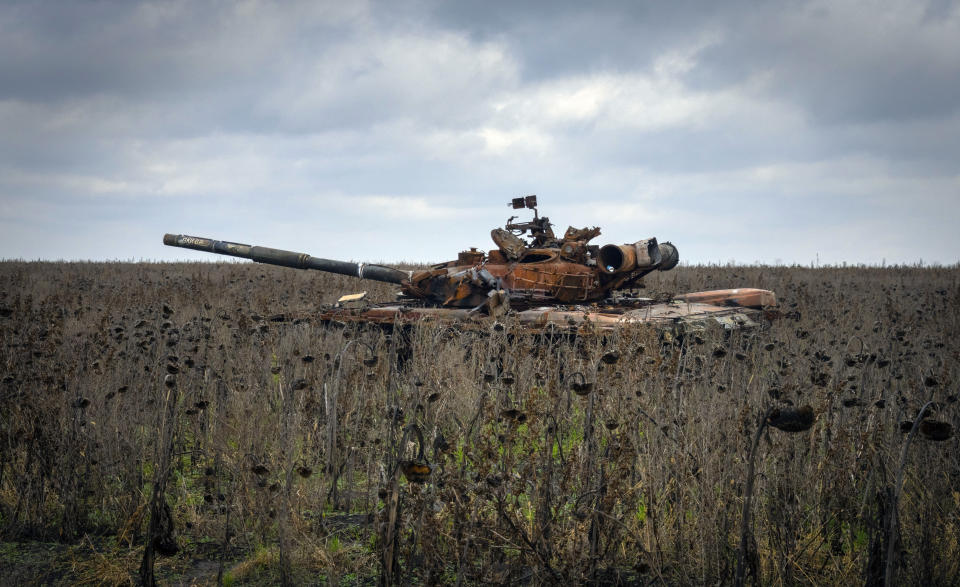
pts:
pixel 728 309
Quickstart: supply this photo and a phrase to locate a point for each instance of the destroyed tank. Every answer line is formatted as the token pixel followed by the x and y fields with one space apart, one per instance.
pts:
pixel 546 282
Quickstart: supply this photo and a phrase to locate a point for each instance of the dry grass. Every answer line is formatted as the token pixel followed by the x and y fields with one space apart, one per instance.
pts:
pixel 92 566
pixel 288 433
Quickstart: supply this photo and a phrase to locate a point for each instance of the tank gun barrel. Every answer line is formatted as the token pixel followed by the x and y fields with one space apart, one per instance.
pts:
pixel 287 258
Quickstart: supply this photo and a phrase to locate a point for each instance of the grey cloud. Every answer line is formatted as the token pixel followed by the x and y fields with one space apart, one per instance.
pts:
pixel 842 61
pixel 845 63
pixel 60 50
pixel 557 38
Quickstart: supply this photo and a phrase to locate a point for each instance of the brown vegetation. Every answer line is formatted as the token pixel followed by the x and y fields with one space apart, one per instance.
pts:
pixel 198 408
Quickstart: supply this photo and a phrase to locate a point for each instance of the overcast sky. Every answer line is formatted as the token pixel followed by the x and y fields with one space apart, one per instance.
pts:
pixel 778 132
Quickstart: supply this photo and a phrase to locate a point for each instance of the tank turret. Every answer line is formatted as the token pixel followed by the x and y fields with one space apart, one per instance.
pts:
pixel 530 267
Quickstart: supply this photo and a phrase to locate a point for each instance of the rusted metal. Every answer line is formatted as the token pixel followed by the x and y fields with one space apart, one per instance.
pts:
pixel 620 258
pixel 546 281
pixel 572 318
pixel 746 297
